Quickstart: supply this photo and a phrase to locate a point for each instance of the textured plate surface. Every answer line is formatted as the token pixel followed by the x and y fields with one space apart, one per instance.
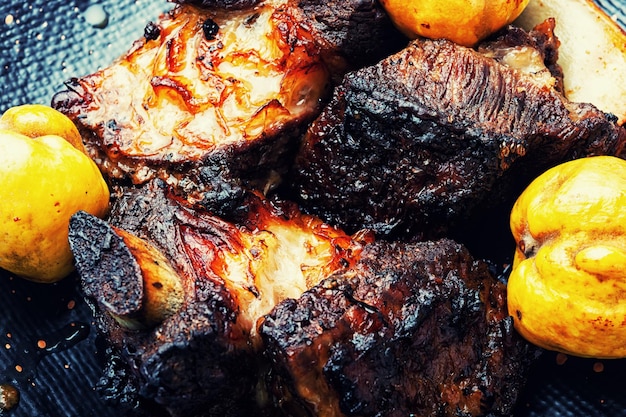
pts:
pixel 48 349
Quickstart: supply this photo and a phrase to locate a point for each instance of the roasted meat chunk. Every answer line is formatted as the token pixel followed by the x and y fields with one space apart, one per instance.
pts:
pixel 414 144
pixel 352 33
pixel 211 100
pixel 222 4
pixel 278 312
pixel 207 100
pixel 177 292
pixel 413 329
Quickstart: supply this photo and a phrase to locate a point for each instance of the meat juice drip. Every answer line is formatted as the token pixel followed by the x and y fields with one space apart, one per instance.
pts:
pixel 9 398
pixel 64 338
pixel 60 340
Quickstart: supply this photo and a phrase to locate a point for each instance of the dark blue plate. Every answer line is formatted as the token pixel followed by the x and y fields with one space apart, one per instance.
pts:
pixel 48 350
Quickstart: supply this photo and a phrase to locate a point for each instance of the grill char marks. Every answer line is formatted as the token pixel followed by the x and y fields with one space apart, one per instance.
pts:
pixel 209 116
pixel 412 329
pixel 202 357
pixel 214 100
pixel 222 4
pixel 417 141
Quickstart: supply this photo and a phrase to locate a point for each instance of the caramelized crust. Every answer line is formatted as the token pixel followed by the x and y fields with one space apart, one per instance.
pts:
pixel 232 273
pixel 213 100
pixel 206 85
pixel 413 329
pixel 419 143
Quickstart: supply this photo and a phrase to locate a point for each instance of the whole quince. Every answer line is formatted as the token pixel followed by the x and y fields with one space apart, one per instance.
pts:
pixel 44 180
pixel 567 288
pixel 461 21
pixel 34 120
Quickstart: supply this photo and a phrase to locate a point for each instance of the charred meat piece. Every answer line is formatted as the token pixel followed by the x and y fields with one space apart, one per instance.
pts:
pixel 210 100
pixel 279 312
pixel 177 292
pixel 354 33
pixel 222 4
pixel 412 145
pixel 413 329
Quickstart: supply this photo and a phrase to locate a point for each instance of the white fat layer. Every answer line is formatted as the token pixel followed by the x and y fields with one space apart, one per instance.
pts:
pixel 207 105
pixel 283 261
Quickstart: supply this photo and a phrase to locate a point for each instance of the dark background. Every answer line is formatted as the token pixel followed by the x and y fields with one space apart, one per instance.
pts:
pixel 42 44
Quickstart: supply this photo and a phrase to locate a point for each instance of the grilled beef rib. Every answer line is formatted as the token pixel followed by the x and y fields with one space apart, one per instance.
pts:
pixel 416 143
pixel 280 312
pixel 412 329
pixel 212 101
pixel 219 297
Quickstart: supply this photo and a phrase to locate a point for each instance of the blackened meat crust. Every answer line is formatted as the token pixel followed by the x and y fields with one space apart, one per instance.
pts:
pixel 411 145
pixel 214 100
pixel 201 358
pixel 360 31
pixel 196 360
pixel 222 4
pixel 413 329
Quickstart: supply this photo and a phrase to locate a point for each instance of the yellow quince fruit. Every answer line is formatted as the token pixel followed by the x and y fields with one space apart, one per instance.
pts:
pixel 463 22
pixel 44 180
pixel 567 289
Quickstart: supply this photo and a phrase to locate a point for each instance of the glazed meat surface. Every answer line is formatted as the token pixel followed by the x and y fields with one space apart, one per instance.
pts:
pixel 207 100
pixel 213 100
pixel 413 329
pixel 352 33
pixel 413 145
pixel 177 293
pixel 279 313
pixel 218 296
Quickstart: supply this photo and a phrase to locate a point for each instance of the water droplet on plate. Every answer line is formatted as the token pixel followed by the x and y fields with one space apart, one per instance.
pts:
pixel 96 16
